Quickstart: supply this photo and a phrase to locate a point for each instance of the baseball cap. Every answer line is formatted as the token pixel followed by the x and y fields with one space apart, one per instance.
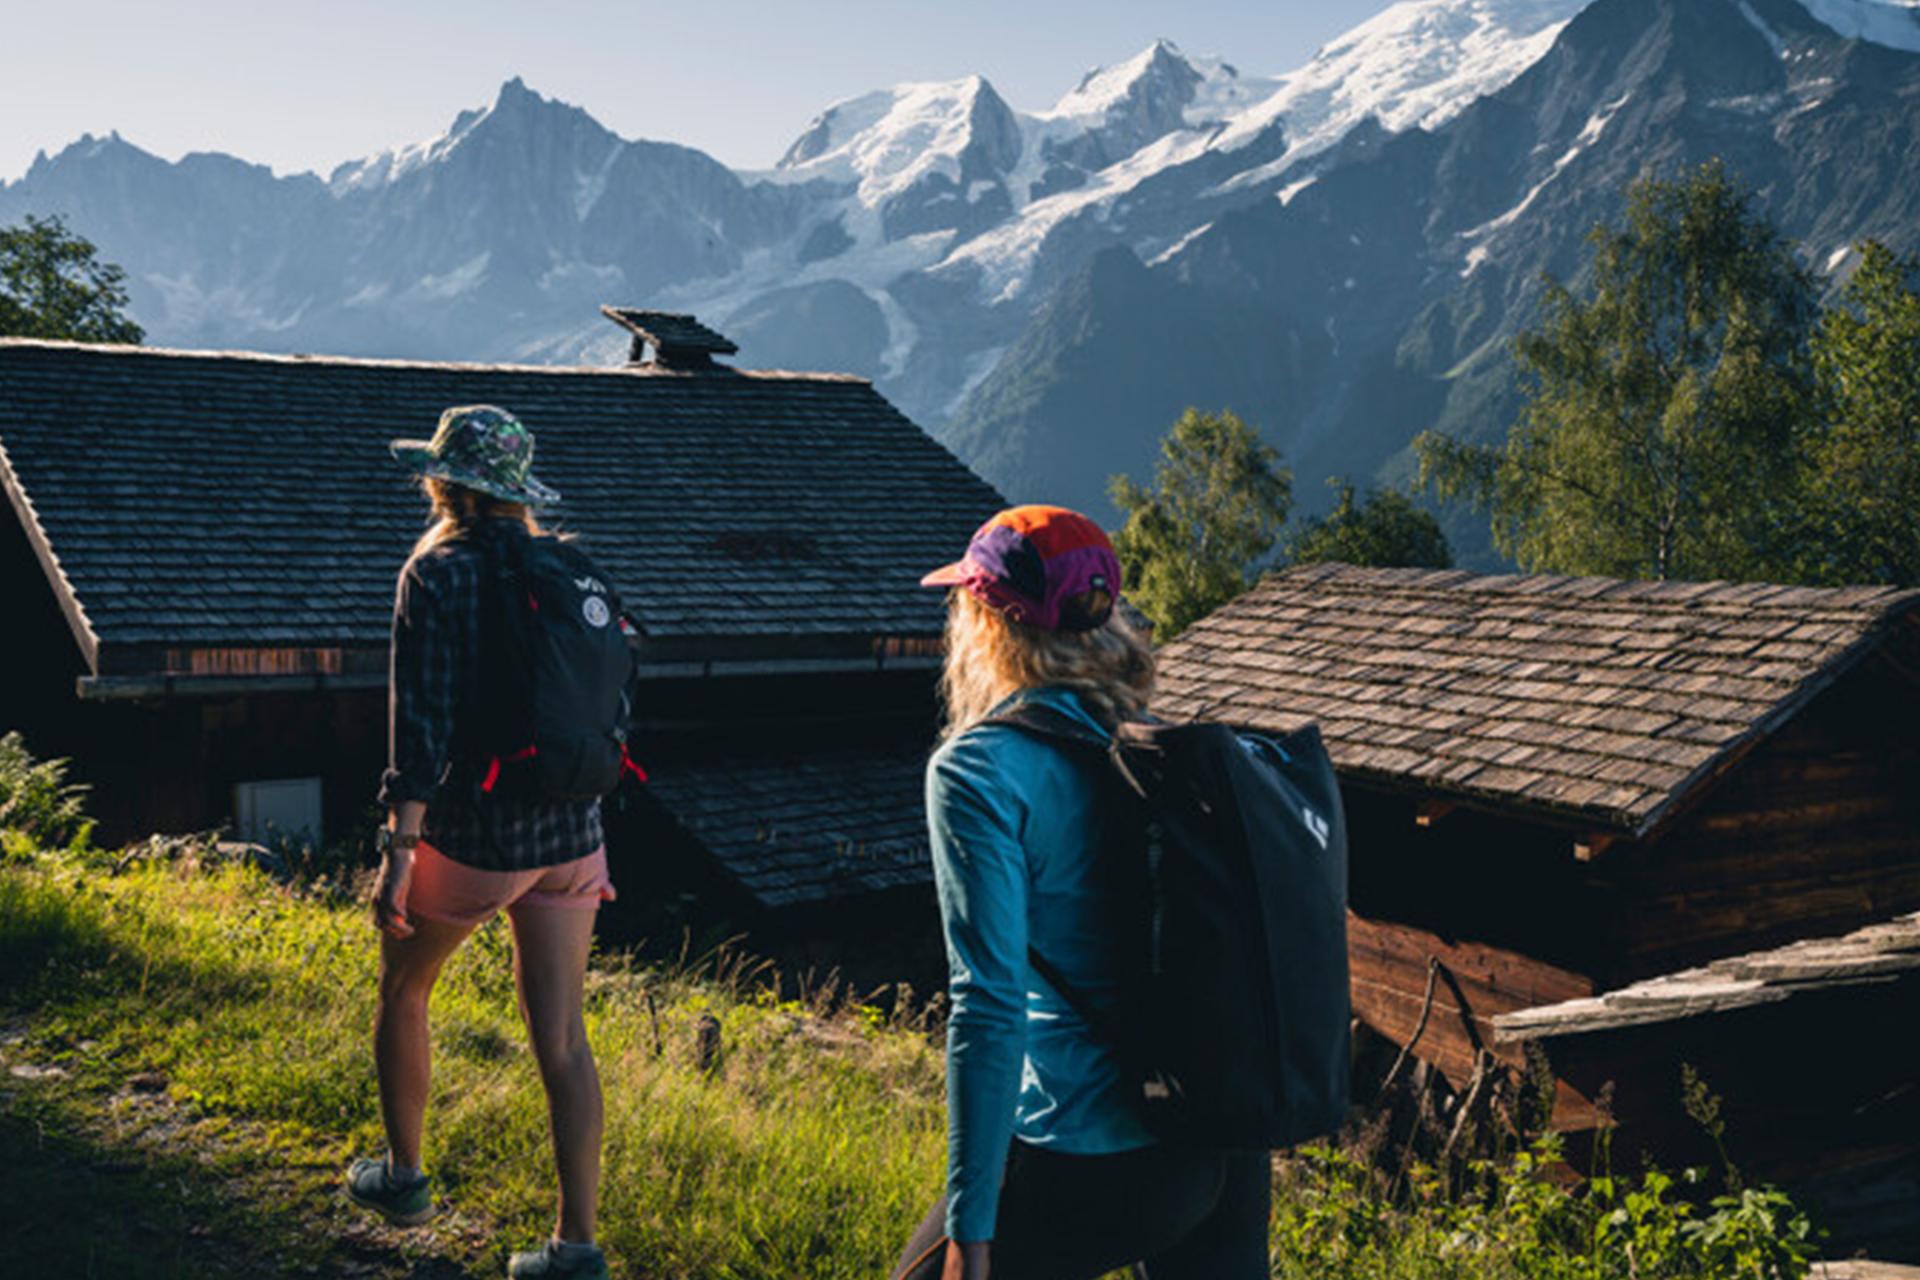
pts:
pixel 1032 562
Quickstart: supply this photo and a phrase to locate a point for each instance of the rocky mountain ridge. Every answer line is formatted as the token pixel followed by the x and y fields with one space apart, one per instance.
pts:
pixel 921 224
pixel 1380 299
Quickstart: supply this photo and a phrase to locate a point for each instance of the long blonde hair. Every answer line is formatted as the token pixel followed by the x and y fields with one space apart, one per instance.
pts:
pixel 989 657
pixel 456 509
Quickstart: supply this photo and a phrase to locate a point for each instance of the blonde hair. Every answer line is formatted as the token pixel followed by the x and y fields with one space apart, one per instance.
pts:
pixel 989 657
pixel 456 509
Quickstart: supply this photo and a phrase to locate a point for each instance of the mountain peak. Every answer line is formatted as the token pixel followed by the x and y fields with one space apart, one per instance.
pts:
pixel 1415 64
pixel 889 139
pixel 515 107
pixel 514 94
pixel 1159 70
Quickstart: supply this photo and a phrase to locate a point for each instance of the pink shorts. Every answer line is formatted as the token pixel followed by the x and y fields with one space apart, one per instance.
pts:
pixel 454 893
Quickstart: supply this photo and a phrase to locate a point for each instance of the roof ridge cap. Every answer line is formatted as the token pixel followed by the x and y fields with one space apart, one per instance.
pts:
pixel 1664 595
pixel 106 349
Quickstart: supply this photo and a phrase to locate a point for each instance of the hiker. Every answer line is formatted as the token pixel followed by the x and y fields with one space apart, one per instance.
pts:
pixel 471 833
pixel 1051 1174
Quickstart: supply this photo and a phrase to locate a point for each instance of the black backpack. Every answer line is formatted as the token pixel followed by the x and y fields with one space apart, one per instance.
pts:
pixel 556 673
pixel 1229 877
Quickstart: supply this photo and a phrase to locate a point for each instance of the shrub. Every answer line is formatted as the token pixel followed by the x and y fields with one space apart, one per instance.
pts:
pixel 37 803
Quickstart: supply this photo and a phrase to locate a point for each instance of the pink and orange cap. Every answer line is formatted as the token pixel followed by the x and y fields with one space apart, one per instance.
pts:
pixel 1034 563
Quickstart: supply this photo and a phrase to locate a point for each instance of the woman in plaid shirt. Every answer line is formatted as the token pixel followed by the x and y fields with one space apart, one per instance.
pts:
pixel 453 859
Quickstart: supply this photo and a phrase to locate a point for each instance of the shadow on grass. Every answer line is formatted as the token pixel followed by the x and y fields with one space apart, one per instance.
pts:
pixel 164 1198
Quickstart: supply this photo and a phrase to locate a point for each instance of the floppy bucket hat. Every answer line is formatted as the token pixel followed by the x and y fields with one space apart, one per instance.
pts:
pixel 1033 563
pixel 479 447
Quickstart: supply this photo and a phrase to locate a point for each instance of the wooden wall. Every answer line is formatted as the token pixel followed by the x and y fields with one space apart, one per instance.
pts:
pixel 1499 903
pixel 1816 832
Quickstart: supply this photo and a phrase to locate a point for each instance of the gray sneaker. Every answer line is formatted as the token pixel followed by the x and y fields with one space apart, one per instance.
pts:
pixel 406 1203
pixel 549 1263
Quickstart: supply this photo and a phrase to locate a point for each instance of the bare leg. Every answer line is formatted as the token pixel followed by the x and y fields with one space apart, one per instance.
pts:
pixel 550 951
pixel 408 968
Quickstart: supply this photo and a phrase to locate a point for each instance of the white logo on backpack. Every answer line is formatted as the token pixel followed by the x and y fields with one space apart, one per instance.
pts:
pixel 596 612
pixel 1317 825
pixel 591 584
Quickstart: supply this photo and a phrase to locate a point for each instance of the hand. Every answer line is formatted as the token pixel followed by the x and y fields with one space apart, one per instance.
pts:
pixel 966 1261
pixel 390 894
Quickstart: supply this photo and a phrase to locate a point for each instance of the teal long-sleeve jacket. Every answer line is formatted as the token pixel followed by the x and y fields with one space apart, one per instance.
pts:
pixel 1014 824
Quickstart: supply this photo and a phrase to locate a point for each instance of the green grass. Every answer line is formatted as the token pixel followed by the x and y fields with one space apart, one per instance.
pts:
pixel 810 1149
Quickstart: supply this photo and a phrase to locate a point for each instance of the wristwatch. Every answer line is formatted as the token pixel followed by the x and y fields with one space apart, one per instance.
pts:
pixel 388 840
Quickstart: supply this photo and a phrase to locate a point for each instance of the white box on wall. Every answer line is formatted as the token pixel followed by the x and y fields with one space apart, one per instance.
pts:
pixel 282 809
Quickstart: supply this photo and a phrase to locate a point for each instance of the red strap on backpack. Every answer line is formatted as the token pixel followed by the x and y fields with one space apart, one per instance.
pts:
pixel 631 765
pixel 492 777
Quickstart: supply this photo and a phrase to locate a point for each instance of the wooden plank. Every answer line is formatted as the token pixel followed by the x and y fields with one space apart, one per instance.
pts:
pixel 71 609
pixel 1808 855
pixel 1394 1015
pixel 1743 917
pixel 1497 970
pixel 1863 1269
pixel 1590 847
pixel 1818 815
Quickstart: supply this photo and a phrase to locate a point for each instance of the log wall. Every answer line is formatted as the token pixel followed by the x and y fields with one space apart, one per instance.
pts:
pixel 1816 832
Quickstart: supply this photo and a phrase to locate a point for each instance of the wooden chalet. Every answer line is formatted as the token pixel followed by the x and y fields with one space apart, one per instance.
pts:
pixel 1560 787
pixel 199 552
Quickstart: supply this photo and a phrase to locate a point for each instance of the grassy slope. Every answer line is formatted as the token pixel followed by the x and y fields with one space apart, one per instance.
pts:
pixel 803 1154
pixel 187 1071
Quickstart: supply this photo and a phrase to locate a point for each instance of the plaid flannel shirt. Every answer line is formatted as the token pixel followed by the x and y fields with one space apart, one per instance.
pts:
pixel 434 673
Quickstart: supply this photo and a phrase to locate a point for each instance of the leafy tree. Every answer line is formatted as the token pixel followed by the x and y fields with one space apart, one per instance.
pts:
pixel 1384 529
pixel 1668 407
pixel 52 286
pixel 1199 537
pixel 1864 469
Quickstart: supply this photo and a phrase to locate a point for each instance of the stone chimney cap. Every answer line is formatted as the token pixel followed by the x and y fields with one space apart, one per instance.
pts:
pixel 676 339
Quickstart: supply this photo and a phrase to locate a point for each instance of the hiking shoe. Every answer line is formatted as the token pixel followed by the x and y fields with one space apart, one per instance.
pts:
pixel 407 1203
pixel 551 1262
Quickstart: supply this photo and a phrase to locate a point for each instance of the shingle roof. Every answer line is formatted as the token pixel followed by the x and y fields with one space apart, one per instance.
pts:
pixel 1878 953
pixel 669 330
pixel 810 828
pixel 1587 698
pixel 245 500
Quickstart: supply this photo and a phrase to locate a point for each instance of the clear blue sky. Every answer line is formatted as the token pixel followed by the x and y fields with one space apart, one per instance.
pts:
pixel 305 84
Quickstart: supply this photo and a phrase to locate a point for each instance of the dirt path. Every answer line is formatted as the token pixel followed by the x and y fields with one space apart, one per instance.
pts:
pixel 120 1180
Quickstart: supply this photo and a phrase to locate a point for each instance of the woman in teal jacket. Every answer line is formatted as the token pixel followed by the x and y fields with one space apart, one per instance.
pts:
pixel 1050 1175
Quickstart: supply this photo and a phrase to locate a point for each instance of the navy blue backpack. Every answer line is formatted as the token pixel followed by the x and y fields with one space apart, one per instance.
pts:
pixel 1229 879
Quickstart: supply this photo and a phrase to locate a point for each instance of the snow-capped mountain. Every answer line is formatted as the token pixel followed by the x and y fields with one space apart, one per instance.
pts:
pixel 927 221
pixel 1414 65
pixel 1380 300
pixel 1363 215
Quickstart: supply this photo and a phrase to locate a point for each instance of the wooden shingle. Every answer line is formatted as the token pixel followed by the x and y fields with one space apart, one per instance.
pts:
pixel 1878 953
pixel 198 499
pixel 1586 699
pixel 807 829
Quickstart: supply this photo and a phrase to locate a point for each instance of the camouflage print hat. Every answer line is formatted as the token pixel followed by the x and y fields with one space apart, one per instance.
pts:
pixel 480 447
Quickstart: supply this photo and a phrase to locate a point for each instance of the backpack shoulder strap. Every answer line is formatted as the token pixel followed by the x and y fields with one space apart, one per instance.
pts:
pixel 1102 1025
pixel 1052 724
pixel 1058 727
